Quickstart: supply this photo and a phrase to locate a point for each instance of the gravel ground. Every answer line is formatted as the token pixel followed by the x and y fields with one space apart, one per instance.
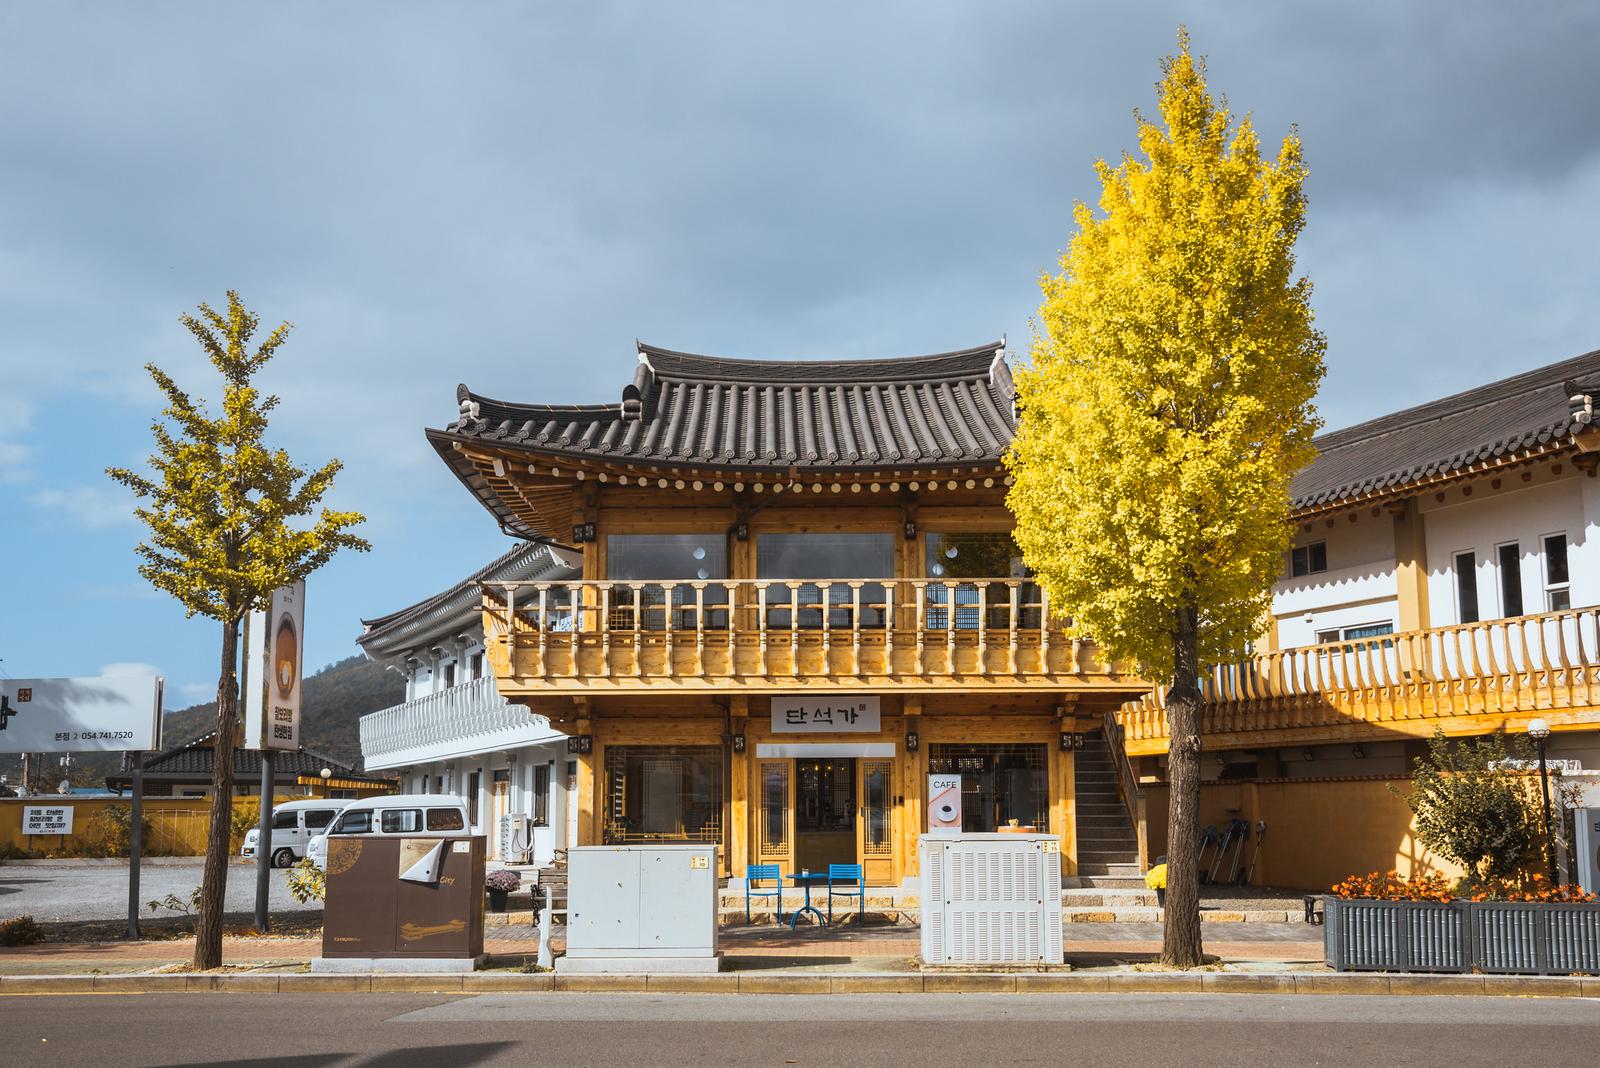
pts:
pixel 75 891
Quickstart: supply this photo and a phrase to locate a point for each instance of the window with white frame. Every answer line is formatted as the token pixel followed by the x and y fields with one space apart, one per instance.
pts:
pixel 1508 560
pixel 1356 633
pixel 541 795
pixel 1557 588
pixel 1466 567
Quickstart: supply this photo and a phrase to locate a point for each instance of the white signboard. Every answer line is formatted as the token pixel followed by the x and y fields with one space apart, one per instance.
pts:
pixel 944 803
pixel 825 715
pixel 272 697
pixel 47 819
pixel 97 715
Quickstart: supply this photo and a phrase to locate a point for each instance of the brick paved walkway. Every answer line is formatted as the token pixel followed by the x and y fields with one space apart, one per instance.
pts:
pixel 840 947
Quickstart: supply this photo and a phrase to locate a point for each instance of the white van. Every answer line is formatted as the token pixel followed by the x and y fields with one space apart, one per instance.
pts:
pixel 408 815
pixel 294 824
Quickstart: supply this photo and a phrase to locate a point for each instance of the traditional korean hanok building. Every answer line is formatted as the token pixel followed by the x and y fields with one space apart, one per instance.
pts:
pixel 799 599
pixel 1445 576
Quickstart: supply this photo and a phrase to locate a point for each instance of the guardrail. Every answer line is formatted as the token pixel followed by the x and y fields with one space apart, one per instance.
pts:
pixel 823 629
pixel 462 711
pixel 1521 666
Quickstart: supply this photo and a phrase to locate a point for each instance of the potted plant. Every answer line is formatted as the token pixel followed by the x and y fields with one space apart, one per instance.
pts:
pixel 1421 924
pixel 500 884
pixel 1156 879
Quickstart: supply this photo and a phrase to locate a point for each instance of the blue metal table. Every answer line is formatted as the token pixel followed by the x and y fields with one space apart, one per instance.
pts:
pixel 805 880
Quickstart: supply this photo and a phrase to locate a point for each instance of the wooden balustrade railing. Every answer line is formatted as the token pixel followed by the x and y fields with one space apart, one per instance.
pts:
pixel 1501 667
pixel 825 628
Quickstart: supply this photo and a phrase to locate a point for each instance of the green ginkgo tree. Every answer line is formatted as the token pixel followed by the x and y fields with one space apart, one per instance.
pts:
pixel 1167 406
pixel 229 521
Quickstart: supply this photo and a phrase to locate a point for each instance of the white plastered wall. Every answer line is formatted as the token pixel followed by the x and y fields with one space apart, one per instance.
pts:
pixel 1357 589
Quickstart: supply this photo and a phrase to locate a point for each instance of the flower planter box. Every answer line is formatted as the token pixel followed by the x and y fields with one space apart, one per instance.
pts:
pixel 1513 938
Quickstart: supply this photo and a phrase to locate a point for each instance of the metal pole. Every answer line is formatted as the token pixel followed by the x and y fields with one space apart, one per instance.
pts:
pixel 135 845
pixel 264 843
pixel 1549 840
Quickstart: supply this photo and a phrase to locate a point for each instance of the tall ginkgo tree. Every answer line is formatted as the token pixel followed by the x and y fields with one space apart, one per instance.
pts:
pixel 1167 406
pixel 230 520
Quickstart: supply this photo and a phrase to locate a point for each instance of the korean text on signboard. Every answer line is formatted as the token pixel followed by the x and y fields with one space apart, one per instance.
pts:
pixel 85 715
pixel 822 715
pixel 47 819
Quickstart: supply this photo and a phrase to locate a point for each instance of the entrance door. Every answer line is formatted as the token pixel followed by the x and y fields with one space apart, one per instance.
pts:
pixel 775 813
pixel 501 805
pixel 825 815
pixel 875 825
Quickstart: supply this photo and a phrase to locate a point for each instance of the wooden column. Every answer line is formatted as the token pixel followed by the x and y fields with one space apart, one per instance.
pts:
pixel 1066 807
pixel 739 790
pixel 914 768
pixel 1410 565
pixel 589 787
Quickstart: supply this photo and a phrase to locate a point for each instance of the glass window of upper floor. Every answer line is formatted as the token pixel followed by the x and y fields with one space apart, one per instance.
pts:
pixel 991 555
pixel 666 556
pixel 833 555
pixel 1308 559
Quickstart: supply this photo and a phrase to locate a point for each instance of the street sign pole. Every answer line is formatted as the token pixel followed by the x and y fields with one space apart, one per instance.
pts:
pixel 264 843
pixel 135 845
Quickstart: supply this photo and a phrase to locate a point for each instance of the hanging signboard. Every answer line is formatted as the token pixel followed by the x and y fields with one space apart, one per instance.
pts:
pixel 47 819
pixel 944 803
pixel 93 715
pixel 825 715
pixel 272 686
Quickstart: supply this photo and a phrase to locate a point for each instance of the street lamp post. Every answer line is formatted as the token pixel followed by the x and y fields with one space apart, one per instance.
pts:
pixel 1539 731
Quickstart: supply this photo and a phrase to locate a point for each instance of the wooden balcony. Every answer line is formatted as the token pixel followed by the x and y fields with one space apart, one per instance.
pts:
pixel 1467 679
pixel 757 634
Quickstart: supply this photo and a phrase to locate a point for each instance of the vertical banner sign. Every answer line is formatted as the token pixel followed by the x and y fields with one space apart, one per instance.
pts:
pixel 272 701
pixel 944 803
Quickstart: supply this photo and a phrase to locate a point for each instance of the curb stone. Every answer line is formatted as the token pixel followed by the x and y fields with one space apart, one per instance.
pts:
pixel 819 983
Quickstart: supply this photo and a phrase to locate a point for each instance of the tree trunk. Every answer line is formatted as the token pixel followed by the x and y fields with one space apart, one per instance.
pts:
pixel 214 881
pixel 1180 942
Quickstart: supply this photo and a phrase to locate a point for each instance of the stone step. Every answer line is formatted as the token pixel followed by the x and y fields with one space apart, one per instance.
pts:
pixel 1110 882
pixel 1120 869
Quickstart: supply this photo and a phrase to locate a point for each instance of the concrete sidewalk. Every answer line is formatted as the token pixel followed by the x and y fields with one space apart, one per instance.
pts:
pixel 845 949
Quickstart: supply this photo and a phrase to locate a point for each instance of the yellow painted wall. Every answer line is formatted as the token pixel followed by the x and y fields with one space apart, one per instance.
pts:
pixel 177 825
pixel 1318 830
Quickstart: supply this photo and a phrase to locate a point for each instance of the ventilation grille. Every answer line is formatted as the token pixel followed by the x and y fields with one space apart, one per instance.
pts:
pixel 991 899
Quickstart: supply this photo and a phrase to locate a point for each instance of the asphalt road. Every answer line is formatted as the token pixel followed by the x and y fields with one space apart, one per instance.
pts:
pixel 435 1031
pixel 68 891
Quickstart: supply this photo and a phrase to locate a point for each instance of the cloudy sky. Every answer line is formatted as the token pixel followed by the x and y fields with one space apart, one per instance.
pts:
pixel 510 194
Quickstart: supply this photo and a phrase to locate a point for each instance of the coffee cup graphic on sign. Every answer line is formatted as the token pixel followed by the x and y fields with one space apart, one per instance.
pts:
pixel 286 656
pixel 944 802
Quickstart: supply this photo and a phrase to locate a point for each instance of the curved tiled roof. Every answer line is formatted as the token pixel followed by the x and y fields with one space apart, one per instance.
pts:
pixel 709 411
pixel 1525 412
pixel 459 608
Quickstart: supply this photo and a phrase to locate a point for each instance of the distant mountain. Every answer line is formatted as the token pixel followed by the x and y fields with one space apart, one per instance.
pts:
pixel 333 703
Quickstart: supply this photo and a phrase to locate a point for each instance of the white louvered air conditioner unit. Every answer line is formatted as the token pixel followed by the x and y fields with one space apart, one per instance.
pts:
pixel 991 898
pixel 516 839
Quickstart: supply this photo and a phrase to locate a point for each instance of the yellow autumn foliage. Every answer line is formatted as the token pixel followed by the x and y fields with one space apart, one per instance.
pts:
pixel 1168 402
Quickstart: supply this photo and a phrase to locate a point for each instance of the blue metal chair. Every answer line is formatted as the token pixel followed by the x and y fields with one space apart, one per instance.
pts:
pixel 848 873
pixel 755 872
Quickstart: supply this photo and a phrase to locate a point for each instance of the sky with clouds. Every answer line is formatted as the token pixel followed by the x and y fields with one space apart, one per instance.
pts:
pixel 510 194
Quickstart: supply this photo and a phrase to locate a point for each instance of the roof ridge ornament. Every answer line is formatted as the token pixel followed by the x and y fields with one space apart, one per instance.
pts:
pixel 1580 401
pixel 637 392
pixel 466 403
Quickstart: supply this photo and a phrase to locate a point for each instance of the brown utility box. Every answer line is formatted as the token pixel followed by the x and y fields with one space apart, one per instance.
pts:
pixel 370 911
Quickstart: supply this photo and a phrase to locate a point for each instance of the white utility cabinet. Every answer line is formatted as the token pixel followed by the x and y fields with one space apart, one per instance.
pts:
pixel 991 898
pixel 650 908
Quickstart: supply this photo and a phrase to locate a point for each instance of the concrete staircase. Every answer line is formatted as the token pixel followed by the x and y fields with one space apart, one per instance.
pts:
pixel 1108 849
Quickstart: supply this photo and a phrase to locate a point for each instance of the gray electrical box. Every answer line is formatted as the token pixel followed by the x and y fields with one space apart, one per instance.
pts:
pixel 1588 843
pixel 645 908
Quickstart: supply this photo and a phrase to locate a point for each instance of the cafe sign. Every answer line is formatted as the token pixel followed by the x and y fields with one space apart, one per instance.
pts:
pixel 825 715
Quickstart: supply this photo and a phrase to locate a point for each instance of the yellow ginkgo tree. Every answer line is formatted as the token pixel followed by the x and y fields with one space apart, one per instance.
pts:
pixel 1166 407
pixel 230 520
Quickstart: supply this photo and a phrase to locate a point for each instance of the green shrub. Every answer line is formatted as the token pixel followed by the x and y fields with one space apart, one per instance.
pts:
pixel 20 931
pixel 307 883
